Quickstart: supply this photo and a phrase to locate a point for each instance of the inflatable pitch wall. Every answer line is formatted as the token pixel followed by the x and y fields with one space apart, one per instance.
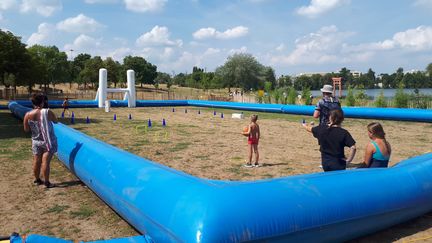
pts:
pixel 172 206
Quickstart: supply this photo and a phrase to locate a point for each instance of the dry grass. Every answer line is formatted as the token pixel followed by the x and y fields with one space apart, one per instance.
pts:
pixel 200 144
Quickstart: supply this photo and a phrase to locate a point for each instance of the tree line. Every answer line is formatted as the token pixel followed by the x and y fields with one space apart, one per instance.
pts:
pixel 46 65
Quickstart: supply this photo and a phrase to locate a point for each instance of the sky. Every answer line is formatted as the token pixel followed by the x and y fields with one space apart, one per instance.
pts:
pixel 291 36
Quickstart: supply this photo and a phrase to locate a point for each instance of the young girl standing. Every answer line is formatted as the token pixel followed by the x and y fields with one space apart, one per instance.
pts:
pixel 378 150
pixel 253 134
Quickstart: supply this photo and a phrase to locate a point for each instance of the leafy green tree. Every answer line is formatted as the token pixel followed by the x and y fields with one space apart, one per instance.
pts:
pixel 180 79
pixel 347 77
pixel 302 82
pixel 284 81
pixel 78 65
pixel 145 72
pixel 241 70
pixel 90 73
pixel 14 60
pixel 163 78
pixel 360 96
pixel 55 61
pixel 113 70
pixel 269 76
pixel 380 100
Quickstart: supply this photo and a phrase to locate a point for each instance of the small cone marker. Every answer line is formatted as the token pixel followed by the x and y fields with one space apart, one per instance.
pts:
pixel 72 119
pixel 62 115
pixel 173 110
pixel 115 117
pixel 221 115
pixel 214 113
pixel 88 120
pixel 185 110
pixel 73 115
pixel 163 122
pixel 149 123
pixel 199 111
pixel 130 117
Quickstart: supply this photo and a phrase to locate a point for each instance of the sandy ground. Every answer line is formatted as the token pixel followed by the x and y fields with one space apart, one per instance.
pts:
pixel 204 145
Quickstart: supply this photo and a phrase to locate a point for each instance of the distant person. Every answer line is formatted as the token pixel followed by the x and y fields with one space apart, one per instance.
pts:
pixel 333 139
pixel 378 151
pixel 326 104
pixel 252 131
pixel 44 142
pixel 65 106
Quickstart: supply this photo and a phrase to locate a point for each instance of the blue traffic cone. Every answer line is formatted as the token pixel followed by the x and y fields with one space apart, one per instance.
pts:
pixel 149 123
pixel 199 111
pixel 221 115
pixel 62 115
pixel 88 120
pixel 163 122
pixel 115 117
pixel 130 117
pixel 214 113
pixel 73 115
pixel 173 110
pixel 185 110
pixel 72 120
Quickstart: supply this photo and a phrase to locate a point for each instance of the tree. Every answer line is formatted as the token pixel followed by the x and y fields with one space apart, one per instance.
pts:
pixel 90 73
pixel 269 76
pixel 302 82
pixel 400 98
pixel 380 100
pixel 145 72
pixel 55 61
pixel 78 65
pixel 14 60
pixel 284 81
pixel 113 69
pixel 350 99
pixel 241 70
pixel 346 76
pixel 163 78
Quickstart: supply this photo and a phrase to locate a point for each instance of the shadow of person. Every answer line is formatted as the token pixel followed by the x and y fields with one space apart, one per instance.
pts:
pixel 69 183
pixel 72 156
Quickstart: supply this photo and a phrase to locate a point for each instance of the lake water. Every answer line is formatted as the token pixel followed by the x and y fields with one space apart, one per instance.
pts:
pixel 375 92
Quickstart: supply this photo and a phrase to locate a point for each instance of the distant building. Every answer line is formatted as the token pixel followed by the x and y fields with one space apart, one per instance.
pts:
pixel 356 74
pixel 309 74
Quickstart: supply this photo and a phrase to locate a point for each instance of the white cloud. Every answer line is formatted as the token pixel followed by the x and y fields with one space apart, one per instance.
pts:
pixel 280 47
pixel 1 18
pixel 423 3
pixel 79 24
pixel 120 53
pixel 211 51
pixel 45 8
pixel 417 39
pixel 44 35
pixel 320 47
pixel 318 7
pixel 206 33
pixel 7 4
pixel 145 5
pixel 158 36
pixel 242 49
pixel 84 44
pixel 100 1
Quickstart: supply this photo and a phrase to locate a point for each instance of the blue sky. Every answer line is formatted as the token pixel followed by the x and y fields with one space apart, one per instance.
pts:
pixel 293 37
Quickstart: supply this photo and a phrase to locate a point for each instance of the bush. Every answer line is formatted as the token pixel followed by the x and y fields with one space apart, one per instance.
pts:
pixel 380 100
pixel 306 96
pixel 350 99
pixel 292 96
pixel 401 98
pixel 361 97
pixel 277 95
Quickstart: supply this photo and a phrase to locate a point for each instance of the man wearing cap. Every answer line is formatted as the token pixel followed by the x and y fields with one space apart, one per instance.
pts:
pixel 326 104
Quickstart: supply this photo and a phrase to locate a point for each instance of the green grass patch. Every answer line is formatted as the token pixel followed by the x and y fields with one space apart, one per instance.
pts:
pixel 236 158
pixel 83 212
pixel 180 146
pixel 56 209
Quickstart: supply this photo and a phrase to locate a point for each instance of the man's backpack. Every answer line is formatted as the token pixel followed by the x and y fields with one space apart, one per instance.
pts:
pixel 326 106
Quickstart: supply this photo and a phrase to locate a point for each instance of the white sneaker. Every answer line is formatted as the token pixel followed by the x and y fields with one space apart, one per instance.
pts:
pixel 248 165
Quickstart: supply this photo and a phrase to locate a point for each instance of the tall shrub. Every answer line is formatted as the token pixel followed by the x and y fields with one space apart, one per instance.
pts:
pixel 292 95
pixel 306 96
pixel 401 98
pixel 350 99
pixel 380 100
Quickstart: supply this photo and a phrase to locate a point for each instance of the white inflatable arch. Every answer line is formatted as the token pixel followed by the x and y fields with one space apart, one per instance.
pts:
pixel 130 95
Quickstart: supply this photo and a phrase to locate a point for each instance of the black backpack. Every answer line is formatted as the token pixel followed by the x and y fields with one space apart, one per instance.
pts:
pixel 327 106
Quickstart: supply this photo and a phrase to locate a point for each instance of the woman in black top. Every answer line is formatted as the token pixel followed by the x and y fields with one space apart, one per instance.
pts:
pixel 333 139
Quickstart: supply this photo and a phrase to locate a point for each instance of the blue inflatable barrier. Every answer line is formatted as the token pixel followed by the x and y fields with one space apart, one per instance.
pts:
pixel 172 206
pixel 46 239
